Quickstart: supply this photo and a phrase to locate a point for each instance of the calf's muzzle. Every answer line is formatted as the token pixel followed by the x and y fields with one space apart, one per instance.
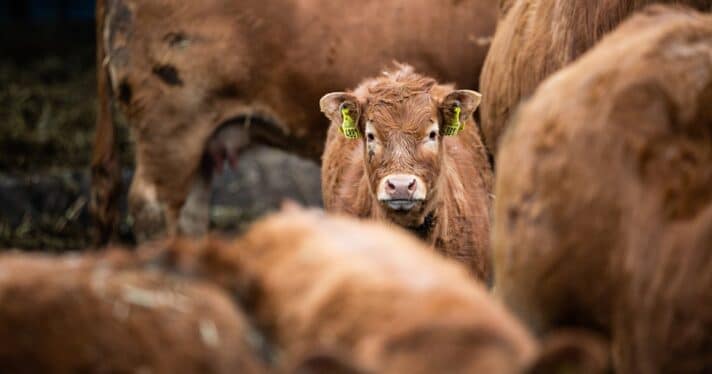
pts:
pixel 401 192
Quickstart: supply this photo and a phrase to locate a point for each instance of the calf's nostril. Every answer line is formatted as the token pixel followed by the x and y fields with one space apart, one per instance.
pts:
pixel 411 186
pixel 390 186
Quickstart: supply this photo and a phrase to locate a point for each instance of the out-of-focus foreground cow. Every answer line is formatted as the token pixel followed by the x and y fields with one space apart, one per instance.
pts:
pixel 375 295
pixel 108 314
pixel 415 158
pixel 536 38
pixel 603 215
pixel 199 81
pixel 370 297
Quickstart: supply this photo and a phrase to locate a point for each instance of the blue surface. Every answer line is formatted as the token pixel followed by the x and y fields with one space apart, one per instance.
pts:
pixel 46 11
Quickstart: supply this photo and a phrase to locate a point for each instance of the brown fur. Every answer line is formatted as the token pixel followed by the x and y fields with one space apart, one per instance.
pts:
pixel 105 166
pixel 604 208
pixel 535 39
pixel 402 106
pixel 104 314
pixel 374 296
pixel 182 69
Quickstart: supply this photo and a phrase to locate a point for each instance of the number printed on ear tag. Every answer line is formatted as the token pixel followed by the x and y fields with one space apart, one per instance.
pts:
pixel 348 125
pixel 455 125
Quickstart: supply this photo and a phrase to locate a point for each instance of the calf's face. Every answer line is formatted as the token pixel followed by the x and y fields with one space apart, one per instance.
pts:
pixel 402 143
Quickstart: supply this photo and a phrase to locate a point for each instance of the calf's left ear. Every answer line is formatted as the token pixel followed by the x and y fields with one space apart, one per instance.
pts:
pixel 342 108
pixel 456 108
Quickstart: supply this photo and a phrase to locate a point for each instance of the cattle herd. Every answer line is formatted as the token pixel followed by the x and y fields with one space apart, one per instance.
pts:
pixel 513 186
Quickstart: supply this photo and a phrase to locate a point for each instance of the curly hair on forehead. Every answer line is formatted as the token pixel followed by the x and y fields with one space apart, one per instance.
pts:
pixel 395 86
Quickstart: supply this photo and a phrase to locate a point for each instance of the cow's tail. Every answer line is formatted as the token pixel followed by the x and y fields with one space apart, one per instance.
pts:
pixel 105 164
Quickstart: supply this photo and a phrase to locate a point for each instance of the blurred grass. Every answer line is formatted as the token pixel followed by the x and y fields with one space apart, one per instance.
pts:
pixel 47 118
pixel 47 115
pixel 48 101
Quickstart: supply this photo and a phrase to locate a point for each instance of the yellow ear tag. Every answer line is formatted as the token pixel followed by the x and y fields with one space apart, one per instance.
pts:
pixel 348 126
pixel 455 125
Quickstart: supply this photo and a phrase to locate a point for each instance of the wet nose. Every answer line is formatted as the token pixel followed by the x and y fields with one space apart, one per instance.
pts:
pixel 401 187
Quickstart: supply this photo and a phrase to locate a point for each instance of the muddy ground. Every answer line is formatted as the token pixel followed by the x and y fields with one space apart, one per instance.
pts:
pixel 47 111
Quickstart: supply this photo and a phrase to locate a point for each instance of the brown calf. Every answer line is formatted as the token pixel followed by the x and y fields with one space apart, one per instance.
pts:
pixel 181 70
pixel 535 39
pixel 408 167
pixel 104 314
pixel 604 207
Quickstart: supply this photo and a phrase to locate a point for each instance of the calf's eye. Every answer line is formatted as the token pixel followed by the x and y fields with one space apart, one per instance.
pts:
pixel 433 135
pixel 370 137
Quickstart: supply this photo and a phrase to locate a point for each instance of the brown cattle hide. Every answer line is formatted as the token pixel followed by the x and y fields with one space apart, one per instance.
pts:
pixel 604 207
pixel 535 39
pixel 105 314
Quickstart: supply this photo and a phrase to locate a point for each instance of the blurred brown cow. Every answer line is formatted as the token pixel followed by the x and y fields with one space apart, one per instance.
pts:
pixel 603 216
pixel 413 163
pixel 108 314
pixel 374 294
pixel 536 38
pixel 340 295
pixel 199 81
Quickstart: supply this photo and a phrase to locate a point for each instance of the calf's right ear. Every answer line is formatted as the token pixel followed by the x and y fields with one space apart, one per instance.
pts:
pixel 457 107
pixel 344 109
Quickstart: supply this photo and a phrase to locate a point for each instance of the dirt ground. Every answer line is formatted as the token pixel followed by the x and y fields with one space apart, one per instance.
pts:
pixel 47 111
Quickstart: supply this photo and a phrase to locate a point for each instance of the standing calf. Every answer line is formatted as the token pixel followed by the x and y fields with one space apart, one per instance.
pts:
pixel 405 149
